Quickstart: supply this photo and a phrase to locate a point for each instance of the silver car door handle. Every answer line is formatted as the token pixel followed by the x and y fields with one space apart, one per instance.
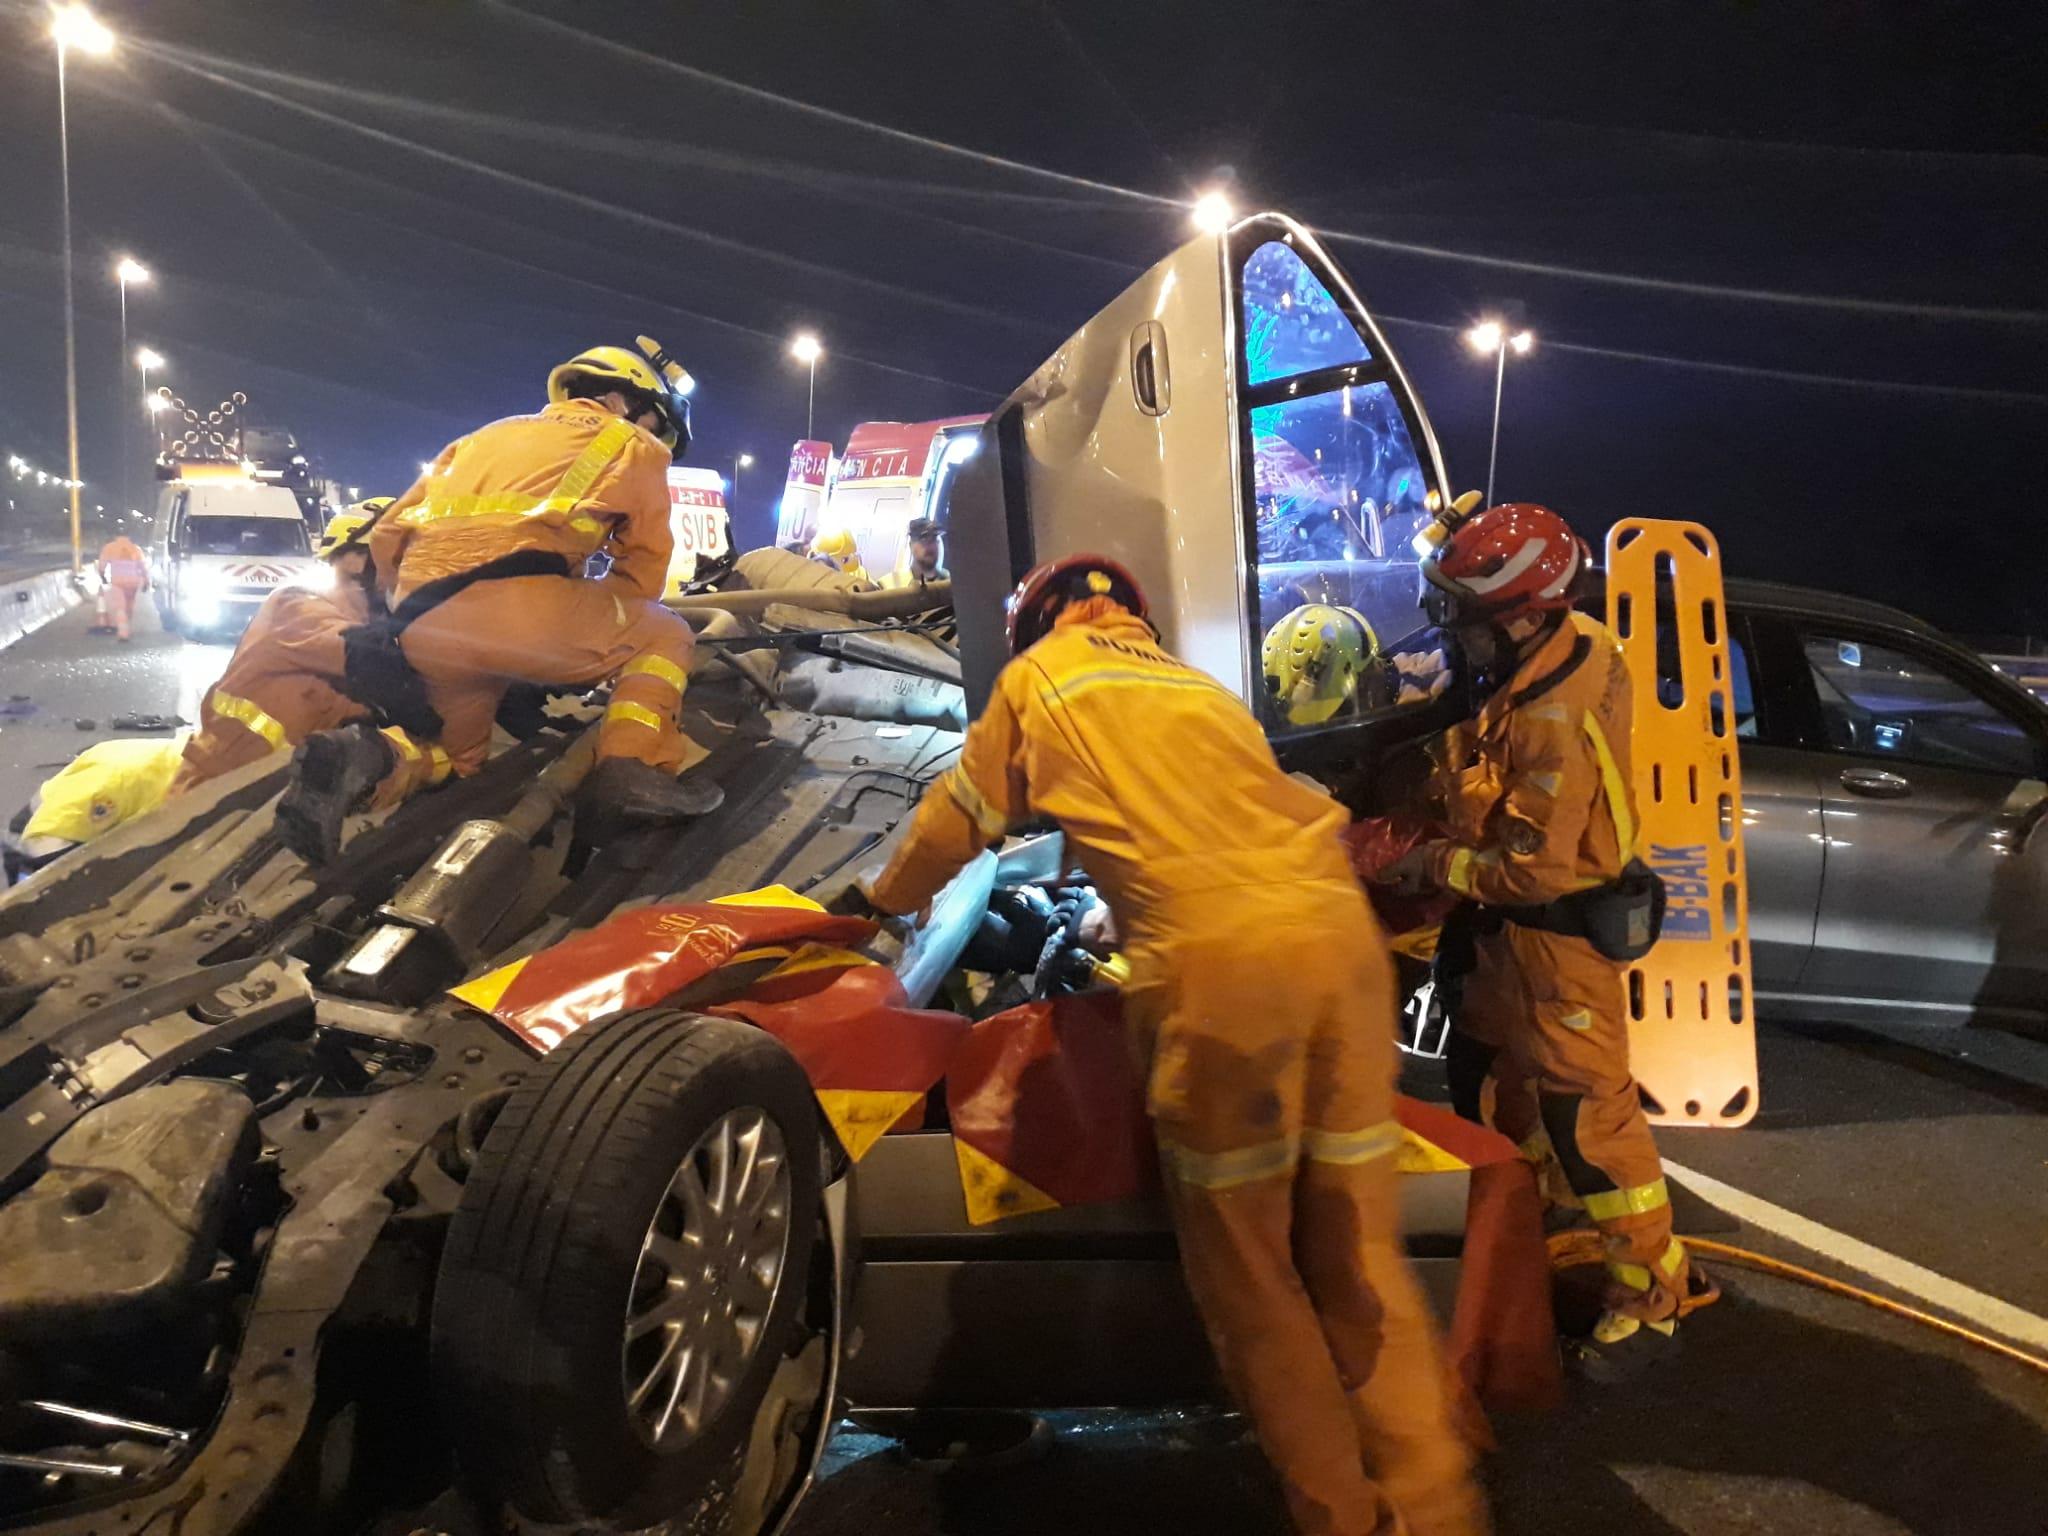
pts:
pixel 1875 782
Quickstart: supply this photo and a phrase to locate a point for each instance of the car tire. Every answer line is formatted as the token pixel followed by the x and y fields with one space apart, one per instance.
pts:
pixel 552 1257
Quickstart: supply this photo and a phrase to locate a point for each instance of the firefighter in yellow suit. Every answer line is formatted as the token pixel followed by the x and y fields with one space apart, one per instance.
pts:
pixel 507 516
pixel 1262 1001
pixel 1542 822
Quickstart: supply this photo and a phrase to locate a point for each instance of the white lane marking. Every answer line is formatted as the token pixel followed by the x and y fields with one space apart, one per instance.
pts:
pixel 1901 1274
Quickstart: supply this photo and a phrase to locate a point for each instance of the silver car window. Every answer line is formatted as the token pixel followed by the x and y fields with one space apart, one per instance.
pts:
pixel 1882 702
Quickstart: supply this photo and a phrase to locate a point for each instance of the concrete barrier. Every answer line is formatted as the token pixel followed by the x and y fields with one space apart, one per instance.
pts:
pixel 28 602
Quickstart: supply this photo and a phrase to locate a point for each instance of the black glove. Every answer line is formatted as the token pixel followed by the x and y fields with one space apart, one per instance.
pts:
pixel 852 901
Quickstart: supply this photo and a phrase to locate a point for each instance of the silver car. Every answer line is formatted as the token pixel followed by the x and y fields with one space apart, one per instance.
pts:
pixel 1892 788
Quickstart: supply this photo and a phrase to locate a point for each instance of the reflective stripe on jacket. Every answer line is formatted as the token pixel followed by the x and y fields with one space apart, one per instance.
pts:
pixel 1538 792
pixel 569 480
pixel 122 563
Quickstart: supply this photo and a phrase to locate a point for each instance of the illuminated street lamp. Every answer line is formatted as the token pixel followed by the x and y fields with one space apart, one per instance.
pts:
pixel 740 461
pixel 806 348
pixel 148 362
pixel 1491 337
pixel 1212 213
pixel 128 270
pixel 72 26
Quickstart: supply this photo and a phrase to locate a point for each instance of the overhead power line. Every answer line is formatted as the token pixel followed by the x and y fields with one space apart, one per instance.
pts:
pixel 598 205
pixel 1846 303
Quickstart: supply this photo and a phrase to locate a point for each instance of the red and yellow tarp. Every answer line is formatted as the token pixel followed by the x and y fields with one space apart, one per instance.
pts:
pixel 870 1058
pixel 1047 1110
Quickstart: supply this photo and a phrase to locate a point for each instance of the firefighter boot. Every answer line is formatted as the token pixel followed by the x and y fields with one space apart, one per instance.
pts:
pixel 333 774
pixel 1637 1329
pixel 624 794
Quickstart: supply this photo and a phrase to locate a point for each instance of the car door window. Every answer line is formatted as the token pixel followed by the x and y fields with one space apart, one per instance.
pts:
pixel 1743 687
pixel 1339 490
pixel 1884 702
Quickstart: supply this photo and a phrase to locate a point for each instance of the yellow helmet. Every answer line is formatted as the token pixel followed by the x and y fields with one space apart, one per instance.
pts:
pixel 1312 660
pixel 1445 523
pixel 646 371
pixel 839 546
pixel 346 528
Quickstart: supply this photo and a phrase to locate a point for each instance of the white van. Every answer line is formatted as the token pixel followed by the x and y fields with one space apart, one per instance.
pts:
pixel 223 544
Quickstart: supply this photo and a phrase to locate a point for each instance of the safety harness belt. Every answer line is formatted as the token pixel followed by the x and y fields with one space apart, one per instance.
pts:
pixel 376 671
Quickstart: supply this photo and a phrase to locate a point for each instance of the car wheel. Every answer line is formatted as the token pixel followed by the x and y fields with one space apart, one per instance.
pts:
pixel 626 1273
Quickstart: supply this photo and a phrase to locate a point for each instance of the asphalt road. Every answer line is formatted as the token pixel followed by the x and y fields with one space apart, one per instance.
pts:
pixel 58 678
pixel 1789 1411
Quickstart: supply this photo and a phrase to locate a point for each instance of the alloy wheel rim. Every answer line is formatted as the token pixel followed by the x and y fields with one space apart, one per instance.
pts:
pixel 710 1267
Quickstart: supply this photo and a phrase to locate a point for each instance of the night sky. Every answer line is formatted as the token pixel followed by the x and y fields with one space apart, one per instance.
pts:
pixel 1785 261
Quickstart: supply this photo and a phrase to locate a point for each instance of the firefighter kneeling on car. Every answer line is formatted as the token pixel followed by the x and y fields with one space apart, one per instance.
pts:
pixel 1262 1000
pixel 482 564
pixel 1535 795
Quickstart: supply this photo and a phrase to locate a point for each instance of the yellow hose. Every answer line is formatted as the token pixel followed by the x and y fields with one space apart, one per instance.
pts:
pixel 1578 1247
pixel 1743 1258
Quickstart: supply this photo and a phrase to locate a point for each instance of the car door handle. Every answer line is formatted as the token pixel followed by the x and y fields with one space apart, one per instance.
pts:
pixel 2023 810
pixel 1876 783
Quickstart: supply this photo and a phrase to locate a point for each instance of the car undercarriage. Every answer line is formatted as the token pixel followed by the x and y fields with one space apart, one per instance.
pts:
pixel 241 1112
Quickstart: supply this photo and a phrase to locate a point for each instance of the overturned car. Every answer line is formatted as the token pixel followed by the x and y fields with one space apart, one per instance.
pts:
pixel 306 1226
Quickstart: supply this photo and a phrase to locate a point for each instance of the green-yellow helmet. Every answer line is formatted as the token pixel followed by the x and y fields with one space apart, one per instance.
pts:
pixel 1312 659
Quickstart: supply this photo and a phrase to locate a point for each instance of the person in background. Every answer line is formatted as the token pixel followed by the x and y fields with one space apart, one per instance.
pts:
pixel 839 550
pixel 921 564
pixel 1269 1065
pixel 125 572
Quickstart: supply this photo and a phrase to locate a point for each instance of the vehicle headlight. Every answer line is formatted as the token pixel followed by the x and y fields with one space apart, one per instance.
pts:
pixel 204 584
pixel 318 577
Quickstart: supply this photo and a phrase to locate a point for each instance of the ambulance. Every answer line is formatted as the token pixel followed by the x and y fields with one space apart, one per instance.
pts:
pixel 702 525
pixel 891 473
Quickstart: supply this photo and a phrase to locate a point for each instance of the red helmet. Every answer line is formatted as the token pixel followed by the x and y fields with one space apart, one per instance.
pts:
pixel 1045 591
pixel 1502 564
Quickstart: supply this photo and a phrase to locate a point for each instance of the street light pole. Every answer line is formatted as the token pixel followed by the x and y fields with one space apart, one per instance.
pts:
pixel 127 270
pixel 70 318
pixel 1500 379
pixel 739 462
pixel 1491 336
pixel 145 360
pixel 806 348
pixel 72 26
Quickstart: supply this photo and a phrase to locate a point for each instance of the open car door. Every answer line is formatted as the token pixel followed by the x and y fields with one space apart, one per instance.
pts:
pixel 1236 430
